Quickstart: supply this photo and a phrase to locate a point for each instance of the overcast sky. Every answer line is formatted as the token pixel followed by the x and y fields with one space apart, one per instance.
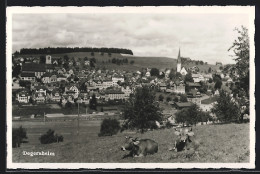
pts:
pixel 199 36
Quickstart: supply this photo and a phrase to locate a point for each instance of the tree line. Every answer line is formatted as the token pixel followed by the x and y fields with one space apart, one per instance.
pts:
pixel 61 50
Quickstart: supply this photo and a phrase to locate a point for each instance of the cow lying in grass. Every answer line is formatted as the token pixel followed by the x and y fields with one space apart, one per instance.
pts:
pixel 183 141
pixel 139 147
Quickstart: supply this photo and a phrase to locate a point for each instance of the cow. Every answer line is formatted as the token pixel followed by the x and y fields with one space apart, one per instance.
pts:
pixel 183 140
pixel 139 147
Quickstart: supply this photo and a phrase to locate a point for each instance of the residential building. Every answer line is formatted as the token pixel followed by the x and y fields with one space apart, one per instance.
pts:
pixel 29 76
pixel 38 69
pixel 116 79
pixel 23 96
pixel 113 94
pixel 73 90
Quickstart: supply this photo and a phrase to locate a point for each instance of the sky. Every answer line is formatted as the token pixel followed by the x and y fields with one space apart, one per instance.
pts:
pixel 204 37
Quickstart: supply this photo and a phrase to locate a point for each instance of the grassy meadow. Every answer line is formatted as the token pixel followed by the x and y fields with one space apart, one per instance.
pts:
pixel 226 143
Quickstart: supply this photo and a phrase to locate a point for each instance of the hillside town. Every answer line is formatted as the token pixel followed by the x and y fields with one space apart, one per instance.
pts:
pixel 50 82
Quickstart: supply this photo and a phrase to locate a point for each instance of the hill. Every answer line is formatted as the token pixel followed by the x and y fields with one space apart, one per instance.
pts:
pixel 139 62
pixel 224 143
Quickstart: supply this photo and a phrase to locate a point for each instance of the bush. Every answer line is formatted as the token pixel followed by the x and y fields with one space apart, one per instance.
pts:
pixel 161 97
pixel 109 127
pixel 18 134
pixel 49 137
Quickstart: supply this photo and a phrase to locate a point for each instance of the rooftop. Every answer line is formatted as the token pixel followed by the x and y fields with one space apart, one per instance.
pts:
pixel 33 67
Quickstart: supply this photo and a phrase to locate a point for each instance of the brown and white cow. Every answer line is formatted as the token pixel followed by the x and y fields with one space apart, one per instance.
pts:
pixel 183 139
pixel 140 147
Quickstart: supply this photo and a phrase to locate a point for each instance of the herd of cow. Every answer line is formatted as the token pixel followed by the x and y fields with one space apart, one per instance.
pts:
pixel 142 147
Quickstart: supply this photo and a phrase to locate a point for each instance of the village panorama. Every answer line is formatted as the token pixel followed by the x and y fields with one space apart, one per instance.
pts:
pixel 97 104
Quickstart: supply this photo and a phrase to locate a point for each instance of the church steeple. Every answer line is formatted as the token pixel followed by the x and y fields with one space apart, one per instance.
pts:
pixel 179 56
pixel 179 61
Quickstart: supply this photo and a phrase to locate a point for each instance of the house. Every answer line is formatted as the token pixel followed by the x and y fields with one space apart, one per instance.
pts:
pixel 193 85
pixel 55 95
pixel 41 89
pixel 23 96
pixel 49 68
pixel 67 98
pixel 219 63
pixel 163 86
pixel 107 83
pixel 181 105
pixel 29 76
pixel 84 98
pixel 53 78
pixel 73 90
pixel 183 71
pixel 207 77
pixel 40 93
pixel 116 79
pixel 113 94
pixel 127 91
pixel 46 77
pixel 179 87
pixel 55 62
pixel 37 69
pixel 39 97
pixel 147 74
pixel 198 78
pixel 61 77
pixel 207 104
pixel 71 71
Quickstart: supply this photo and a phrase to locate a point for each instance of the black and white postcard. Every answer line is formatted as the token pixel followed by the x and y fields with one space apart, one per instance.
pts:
pixel 130 87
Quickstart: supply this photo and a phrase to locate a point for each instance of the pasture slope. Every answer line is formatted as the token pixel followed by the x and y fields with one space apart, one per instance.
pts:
pixel 226 143
pixel 140 62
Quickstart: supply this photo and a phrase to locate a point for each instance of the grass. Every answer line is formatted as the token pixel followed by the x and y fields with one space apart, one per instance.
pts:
pixel 225 143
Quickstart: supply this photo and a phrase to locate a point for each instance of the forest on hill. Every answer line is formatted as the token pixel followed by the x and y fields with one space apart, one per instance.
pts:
pixel 60 50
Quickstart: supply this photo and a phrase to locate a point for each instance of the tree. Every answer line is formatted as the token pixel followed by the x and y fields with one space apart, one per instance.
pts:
pixel 181 116
pixel 68 105
pixel 18 134
pixel 176 99
pixel 188 78
pixel 218 84
pixel 240 48
pixel 209 70
pixel 66 58
pixel 42 60
pixel 183 98
pixel 172 74
pixel 141 110
pixel 190 116
pixel 155 72
pixel 132 62
pixel 49 137
pixel 93 102
pixel 25 84
pixel 161 97
pixel 225 109
pixel 109 127
pixel 16 70
pixel 168 99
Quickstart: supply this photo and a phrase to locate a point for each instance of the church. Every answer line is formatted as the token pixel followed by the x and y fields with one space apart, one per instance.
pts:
pixel 180 69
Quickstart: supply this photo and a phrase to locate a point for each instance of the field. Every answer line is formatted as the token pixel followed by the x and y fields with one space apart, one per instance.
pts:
pixel 225 143
pixel 140 62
